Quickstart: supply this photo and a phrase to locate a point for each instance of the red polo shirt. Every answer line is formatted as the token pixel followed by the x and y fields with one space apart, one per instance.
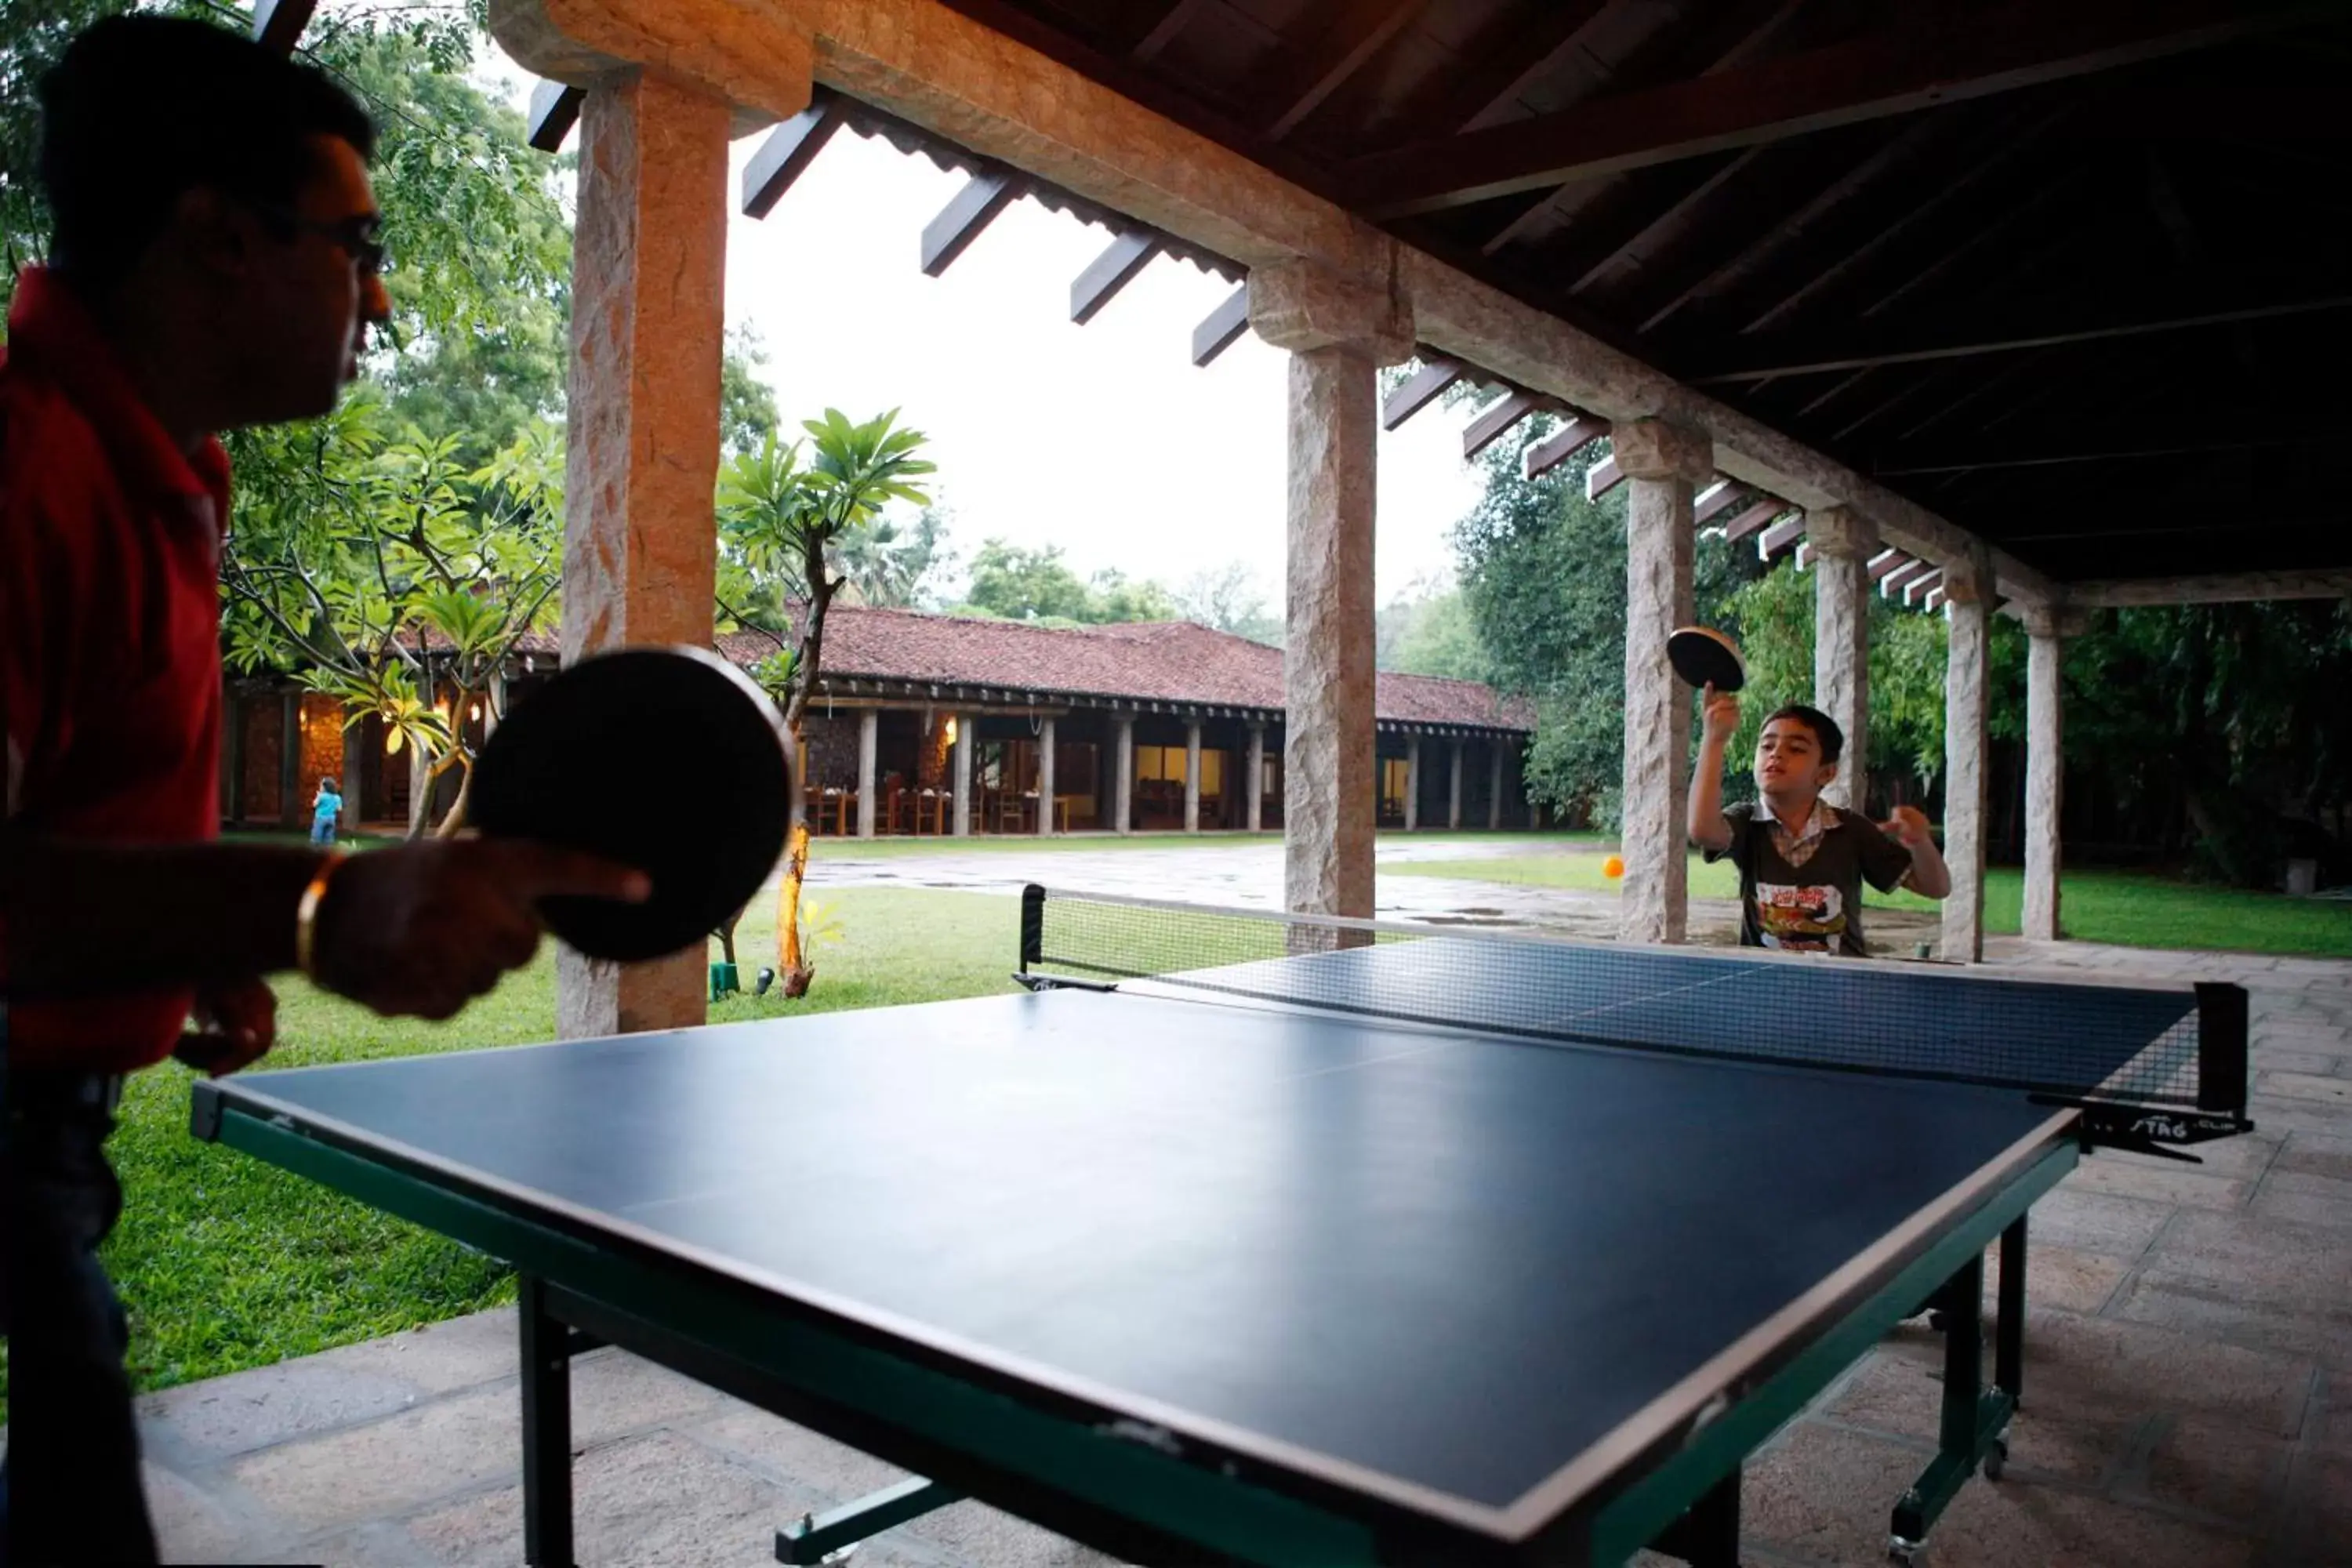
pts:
pixel 110 637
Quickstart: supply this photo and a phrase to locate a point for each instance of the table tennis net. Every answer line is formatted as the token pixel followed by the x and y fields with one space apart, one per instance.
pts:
pixel 2156 1047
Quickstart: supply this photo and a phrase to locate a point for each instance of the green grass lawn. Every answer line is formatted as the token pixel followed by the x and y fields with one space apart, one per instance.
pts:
pixel 227 1262
pixel 2129 908
pixel 835 848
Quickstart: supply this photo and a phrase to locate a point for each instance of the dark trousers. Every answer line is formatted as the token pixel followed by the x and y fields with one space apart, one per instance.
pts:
pixel 69 1489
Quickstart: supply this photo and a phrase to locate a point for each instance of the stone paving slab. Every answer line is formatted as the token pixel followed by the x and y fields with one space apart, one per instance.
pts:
pixel 2187 1395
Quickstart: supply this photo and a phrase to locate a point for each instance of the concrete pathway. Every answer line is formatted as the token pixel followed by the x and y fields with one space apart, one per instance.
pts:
pixel 1248 873
pixel 2189 1378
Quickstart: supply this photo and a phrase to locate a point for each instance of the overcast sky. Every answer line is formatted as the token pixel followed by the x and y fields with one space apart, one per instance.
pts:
pixel 1102 440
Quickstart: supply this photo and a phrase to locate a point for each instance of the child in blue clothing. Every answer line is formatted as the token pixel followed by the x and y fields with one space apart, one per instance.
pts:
pixel 326 807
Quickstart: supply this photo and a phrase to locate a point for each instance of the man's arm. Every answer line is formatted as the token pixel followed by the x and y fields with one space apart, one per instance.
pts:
pixel 419 929
pixel 1709 829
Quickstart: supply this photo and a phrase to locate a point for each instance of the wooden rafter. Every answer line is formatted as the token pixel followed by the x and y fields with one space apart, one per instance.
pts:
pixel 1905 67
pixel 1605 475
pixel 1719 497
pixel 1915 586
pixel 1754 519
pixel 971 209
pixel 1353 32
pixel 1111 271
pixel 1886 564
pixel 1492 421
pixel 1561 445
pixel 277 24
pixel 1421 389
pixel 554 110
pixel 1220 329
pixel 1504 61
pixel 1780 536
pixel 789 149
pixel 1900 575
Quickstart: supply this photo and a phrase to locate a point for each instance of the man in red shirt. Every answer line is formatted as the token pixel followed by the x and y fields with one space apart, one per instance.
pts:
pixel 214 263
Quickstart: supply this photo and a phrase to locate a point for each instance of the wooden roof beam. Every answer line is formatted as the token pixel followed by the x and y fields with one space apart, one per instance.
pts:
pixel 790 148
pixel 1753 520
pixel 1900 575
pixel 277 24
pixel 973 209
pixel 2215 588
pixel 1719 497
pixel 1421 389
pixel 1780 536
pixel 1113 271
pixel 1496 417
pixel 554 110
pixel 1605 475
pixel 1221 327
pixel 1915 586
pixel 1356 30
pixel 1904 68
pixel 1887 563
pixel 1561 445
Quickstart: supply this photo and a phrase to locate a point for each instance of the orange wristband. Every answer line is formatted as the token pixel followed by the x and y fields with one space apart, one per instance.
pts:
pixel 305 914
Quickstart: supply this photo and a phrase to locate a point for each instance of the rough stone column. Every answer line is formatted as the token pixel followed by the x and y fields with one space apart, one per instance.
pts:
pixel 2046 629
pixel 641 455
pixel 1045 777
pixel 1122 817
pixel 1842 545
pixel 1412 782
pixel 1193 776
pixel 967 742
pixel 354 772
pixel 1493 785
pixel 1256 785
pixel 1453 789
pixel 1339 330
pixel 869 734
pixel 1968 593
pixel 1662 462
pixel 291 804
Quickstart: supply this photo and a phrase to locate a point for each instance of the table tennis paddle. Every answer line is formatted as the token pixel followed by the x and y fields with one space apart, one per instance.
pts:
pixel 667 759
pixel 1705 657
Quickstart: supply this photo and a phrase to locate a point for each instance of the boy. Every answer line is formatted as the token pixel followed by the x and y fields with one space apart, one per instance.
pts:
pixel 1802 863
pixel 326 807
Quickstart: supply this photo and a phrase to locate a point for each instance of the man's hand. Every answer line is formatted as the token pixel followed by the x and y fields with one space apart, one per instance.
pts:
pixel 1908 828
pixel 1719 716
pixel 235 1027
pixel 425 928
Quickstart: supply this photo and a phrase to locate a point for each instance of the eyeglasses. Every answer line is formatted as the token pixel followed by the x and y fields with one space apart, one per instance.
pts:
pixel 360 237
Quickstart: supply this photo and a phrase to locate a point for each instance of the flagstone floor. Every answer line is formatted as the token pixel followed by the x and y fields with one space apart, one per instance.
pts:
pixel 2189 1393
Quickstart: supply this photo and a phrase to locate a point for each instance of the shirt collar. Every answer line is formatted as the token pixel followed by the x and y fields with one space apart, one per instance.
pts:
pixel 52 332
pixel 1823 819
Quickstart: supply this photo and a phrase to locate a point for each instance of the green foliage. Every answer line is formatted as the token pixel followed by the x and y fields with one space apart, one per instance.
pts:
pixel 1014 584
pixel 783 523
pixel 1432 633
pixel 1228 599
pixel 747 405
pixel 1543 576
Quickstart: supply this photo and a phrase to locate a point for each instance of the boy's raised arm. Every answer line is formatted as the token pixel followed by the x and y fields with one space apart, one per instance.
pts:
pixel 1708 827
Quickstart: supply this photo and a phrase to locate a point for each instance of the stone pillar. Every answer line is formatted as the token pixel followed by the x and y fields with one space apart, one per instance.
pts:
pixel 1122 817
pixel 869 736
pixel 1339 330
pixel 495 708
pixel 1412 782
pixel 1663 463
pixel 1257 778
pixel 641 455
pixel 967 742
pixel 1493 785
pixel 1967 595
pixel 2046 629
pixel 1453 789
pixel 1193 776
pixel 1045 777
pixel 1842 545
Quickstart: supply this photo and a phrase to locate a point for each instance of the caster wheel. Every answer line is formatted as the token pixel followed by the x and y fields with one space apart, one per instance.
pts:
pixel 1910 1554
pixel 1996 1459
pixel 1940 1322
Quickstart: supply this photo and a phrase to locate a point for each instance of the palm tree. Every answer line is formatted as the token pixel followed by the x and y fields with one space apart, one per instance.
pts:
pixel 780 519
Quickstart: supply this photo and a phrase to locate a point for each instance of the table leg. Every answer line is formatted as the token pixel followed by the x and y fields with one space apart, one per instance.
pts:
pixel 2009 1328
pixel 546 1428
pixel 1974 1424
pixel 1708 1535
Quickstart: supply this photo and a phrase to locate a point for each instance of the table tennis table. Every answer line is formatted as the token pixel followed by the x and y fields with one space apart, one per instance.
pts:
pixel 1237 1236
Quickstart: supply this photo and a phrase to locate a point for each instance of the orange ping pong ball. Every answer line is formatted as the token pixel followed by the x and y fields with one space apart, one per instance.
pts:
pixel 1612 867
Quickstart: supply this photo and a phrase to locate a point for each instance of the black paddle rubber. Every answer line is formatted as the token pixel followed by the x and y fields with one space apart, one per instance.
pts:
pixel 667 759
pixel 1704 657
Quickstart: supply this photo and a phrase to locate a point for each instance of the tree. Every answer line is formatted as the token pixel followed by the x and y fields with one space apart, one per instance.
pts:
pixel 1228 598
pixel 1543 574
pixel 391 576
pixel 1431 631
pixel 778 516
pixel 888 564
pixel 1011 583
